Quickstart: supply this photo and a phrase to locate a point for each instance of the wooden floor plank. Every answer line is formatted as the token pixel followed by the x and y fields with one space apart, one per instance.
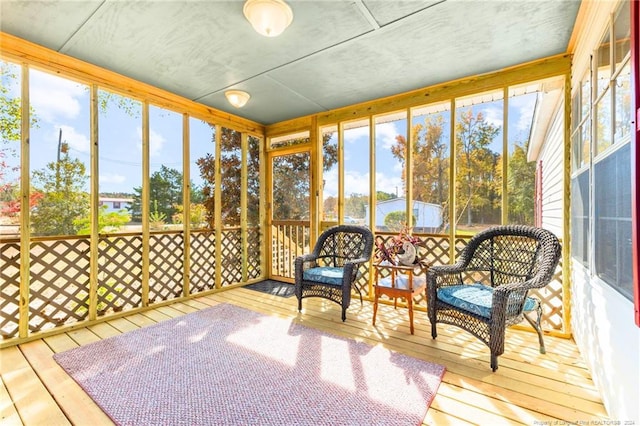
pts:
pixel 74 402
pixel 8 413
pixel 31 399
pixel 528 386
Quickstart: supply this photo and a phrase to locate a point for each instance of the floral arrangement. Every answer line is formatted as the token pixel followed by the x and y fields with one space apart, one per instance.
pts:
pixel 390 251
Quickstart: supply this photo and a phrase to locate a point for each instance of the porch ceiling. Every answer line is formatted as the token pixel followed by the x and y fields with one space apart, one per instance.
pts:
pixel 335 53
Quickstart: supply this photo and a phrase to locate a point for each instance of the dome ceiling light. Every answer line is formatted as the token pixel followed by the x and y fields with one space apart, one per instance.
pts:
pixel 237 98
pixel 268 17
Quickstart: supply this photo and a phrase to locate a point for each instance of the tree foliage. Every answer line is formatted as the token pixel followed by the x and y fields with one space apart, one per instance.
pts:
pixel 396 220
pixel 64 198
pixel 521 186
pixel 431 162
pixel 477 193
pixel 107 221
pixel 165 194
pixel 478 172
pixel 10 125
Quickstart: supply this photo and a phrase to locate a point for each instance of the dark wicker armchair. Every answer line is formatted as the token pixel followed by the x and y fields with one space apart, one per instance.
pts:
pixel 487 289
pixel 332 268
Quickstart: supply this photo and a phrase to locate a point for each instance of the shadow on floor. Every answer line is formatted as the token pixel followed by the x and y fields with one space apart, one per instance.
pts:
pixel 277 288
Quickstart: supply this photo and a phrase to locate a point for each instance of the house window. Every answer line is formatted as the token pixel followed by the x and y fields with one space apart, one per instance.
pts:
pixel 612 220
pixel 116 204
pixel 601 182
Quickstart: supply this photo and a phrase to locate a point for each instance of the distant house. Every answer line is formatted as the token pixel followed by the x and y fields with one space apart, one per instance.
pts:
pixel 115 204
pixel 428 216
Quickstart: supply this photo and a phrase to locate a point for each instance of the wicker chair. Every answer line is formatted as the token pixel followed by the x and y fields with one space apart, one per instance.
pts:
pixel 330 271
pixel 486 290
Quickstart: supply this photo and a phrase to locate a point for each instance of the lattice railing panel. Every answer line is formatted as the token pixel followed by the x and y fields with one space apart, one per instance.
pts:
pixel 254 246
pixel 165 266
pixel 119 273
pixel 203 261
pixel 436 249
pixel 231 256
pixel 59 282
pixel 9 288
pixel 461 243
pixel 552 302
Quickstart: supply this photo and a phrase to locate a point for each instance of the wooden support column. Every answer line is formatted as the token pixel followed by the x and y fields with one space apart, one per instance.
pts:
pixel 244 183
pixel 145 204
pixel 25 220
pixel 566 207
pixel 186 204
pixel 452 182
pixel 217 220
pixel 94 205
pixel 505 156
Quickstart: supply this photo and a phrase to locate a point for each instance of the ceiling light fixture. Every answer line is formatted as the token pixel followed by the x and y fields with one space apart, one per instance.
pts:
pixel 237 98
pixel 268 17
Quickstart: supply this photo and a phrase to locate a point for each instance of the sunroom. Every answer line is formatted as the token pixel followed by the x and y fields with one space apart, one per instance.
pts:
pixel 152 196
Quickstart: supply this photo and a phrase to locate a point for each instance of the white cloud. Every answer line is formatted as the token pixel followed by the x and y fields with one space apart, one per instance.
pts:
pixel 494 115
pixel 356 183
pixel 76 141
pixel 54 98
pixel 391 185
pixel 156 142
pixel 111 178
pixel 386 134
pixel 525 110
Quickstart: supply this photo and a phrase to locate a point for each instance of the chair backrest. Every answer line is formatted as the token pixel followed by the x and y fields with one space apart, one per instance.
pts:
pixel 341 243
pixel 512 253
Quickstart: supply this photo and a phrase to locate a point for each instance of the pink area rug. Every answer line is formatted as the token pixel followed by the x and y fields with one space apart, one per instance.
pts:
pixel 227 365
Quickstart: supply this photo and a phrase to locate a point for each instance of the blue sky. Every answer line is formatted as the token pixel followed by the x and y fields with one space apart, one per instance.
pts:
pixel 64 104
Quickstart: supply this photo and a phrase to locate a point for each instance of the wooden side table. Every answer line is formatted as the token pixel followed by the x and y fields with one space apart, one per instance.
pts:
pixel 403 282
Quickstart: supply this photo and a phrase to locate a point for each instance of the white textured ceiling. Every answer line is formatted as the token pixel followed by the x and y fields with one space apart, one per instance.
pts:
pixel 335 53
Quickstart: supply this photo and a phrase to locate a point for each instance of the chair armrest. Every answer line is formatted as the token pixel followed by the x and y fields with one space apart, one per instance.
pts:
pixel 357 261
pixel 302 263
pixel 444 275
pixel 510 298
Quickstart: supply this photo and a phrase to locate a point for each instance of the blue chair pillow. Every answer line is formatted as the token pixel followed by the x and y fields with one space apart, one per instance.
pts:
pixel 476 298
pixel 324 274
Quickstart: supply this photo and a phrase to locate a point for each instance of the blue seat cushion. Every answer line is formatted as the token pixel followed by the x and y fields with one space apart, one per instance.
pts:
pixel 476 298
pixel 402 282
pixel 324 274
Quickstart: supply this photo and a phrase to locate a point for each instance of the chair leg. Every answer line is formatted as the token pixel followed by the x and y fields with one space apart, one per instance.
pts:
pixel 538 327
pixel 410 307
pixel 434 332
pixel 494 362
pixel 344 314
pixel 375 308
pixel 299 304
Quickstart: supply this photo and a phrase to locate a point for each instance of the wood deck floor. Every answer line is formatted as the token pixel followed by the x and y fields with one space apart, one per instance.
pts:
pixel 528 388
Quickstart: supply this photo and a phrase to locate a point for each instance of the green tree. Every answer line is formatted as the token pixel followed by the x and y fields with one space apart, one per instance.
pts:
pixel 197 215
pixel 107 221
pixel 165 192
pixel 395 221
pixel 476 167
pixel 291 196
pixel 10 121
pixel 384 196
pixel 521 186
pixel 430 162
pixel 356 205
pixel 64 199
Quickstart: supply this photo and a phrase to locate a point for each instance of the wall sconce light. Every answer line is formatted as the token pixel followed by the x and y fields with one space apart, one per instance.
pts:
pixel 268 17
pixel 237 98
